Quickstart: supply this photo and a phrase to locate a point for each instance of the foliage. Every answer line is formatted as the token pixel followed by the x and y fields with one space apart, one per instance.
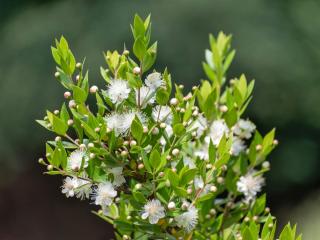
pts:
pixel 188 167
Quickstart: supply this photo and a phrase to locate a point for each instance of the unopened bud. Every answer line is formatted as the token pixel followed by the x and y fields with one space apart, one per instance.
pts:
pixel 72 104
pixel 223 108
pixel 213 211
pixel 145 129
pixel 258 147
pixel 126 52
pixel 194 134
pixel 108 130
pixel 209 166
pixel 195 113
pixel 41 161
pixel 255 218
pixel 163 125
pixel 57 74
pixel 90 145
pixel 189 190
pixel 155 131
pixel 78 65
pixel 92 155
pixel 124 153
pixel 136 70
pixel 175 152
pixel 275 142
pixel 267 210
pixel 57 139
pixel 129 217
pixel 171 205
pixel 94 89
pixel 161 174
pixel 126 143
pixel 182 110
pixel 181 86
pixel 174 101
pixel 70 122
pixel 77 78
pixel 133 143
pixel 220 180
pixel 208 216
pixel 266 164
pixel 56 112
pixel 246 219
pixel 185 206
pixel 138 186
pixel 67 95
pixel 50 167
pixel 97 129
pixel 213 188
pixel 140 166
pixel 168 157
pixel 82 146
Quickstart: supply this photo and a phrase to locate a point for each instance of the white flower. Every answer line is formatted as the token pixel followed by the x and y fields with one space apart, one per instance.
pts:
pixel 198 182
pixel 84 189
pixel 104 194
pixel 209 58
pixel 121 123
pixel 118 178
pixel 237 146
pixel 162 114
pixel 69 186
pixel 188 220
pixel 217 130
pixel 199 125
pixel 75 160
pixel 202 152
pixel 154 80
pixel 244 128
pixel 146 96
pixel 169 132
pixel 188 162
pixel 250 185
pixel 153 210
pixel 118 90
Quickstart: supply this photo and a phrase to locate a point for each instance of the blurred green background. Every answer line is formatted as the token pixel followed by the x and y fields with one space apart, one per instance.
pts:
pixel 277 44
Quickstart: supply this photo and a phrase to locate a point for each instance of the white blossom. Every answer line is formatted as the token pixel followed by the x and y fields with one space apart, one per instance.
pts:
pixel 153 210
pixel 198 182
pixel 200 125
pixel 244 128
pixel 154 80
pixel 118 178
pixel 146 96
pixel 75 160
pixel 104 194
pixel 162 114
pixel 189 162
pixel 250 185
pixel 169 132
pixel 118 90
pixel 188 220
pixel 84 189
pixel 202 152
pixel 69 186
pixel 237 146
pixel 218 129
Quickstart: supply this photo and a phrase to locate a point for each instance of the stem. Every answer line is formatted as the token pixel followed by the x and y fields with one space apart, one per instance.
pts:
pixel 71 139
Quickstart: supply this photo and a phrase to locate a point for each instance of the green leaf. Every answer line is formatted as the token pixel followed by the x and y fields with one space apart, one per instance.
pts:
pixel 173 178
pixel 155 158
pixel 139 48
pixel 179 129
pixel 79 94
pixel 137 129
pixel 162 96
pixel 188 176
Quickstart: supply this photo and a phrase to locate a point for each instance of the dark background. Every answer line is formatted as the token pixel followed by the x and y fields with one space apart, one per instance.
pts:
pixel 277 44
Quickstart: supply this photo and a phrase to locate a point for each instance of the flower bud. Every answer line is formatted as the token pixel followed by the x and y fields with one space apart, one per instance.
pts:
pixel 145 129
pixel 213 211
pixel 168 183
pixel 57 139
pixel 209 166
pixel 194 88
pixel 182 110
pixel 56 112
pixel 126 52
pixel 189 190
pixel 140 166
pixel 138 186
pixel 78 65
pixel 175 152
pixel 161 174
pixel 267 210
pixel 185 205
pixel 133 143
pixel 126 143
pixel 194 134
pixel 163 125
pixel 223 108
pixel 168 157
pixel 220 180
pixel 82 146
pixel 258 147
pixel 181 86
pixel 136 70
pixel 70 122
pixel 90 145
pixel 77 78
pixel 275 142
pixel 57 74
pixel 174 101
pixel 155 131
pixel 92 155
pixel 246 219
pixel 213 188
pixel 41 161
pixel 270 225
pixel 171 205
pixel 266 164
pixel 173 169
pixel 124 153
pixel 48 155
pixel 129 217
pixel 125 237
pixel 50 167
pixel 255 218
pixel 208 216
pixel 67 95
pixel 108 130
pixel 195 113
pixel 97 129
pixel 93 89
pixel 72 104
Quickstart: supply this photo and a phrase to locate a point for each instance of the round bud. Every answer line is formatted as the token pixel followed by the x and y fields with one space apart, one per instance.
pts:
pixel 140 166
pixel 178 109
pixel 246 219
pixel 174 101
pixel 49 125
pixel 133 143
pixel 185 206
pixel 224 167
pixel 161 174
pixel 168 157
pixel 72 104
pixel 77 78
pixel 163 125
pixel 175 152
pixel 171 205
pixel 93 89
pixel 124 153
pixel 195 113
pixel 92 155
pixel 185 124
pixel 90 145
pixel 45 118
pixel 56 112
pixel 275 142
pixel 170 220
pixel 97 129
pixel 82 146
pixel 213 211
pixel 138 186
pixel 208 216
pixel 266 164
pixel 57 139
pixel 168 183
pixel 194 134
pixel 194 88
pixel 67 95
pixel 181 86
pixel 145 129
pixel 220 180
pixel 57 74
pixel 182 110
pixel 255 218
pixel 78 65
pixel 40 161
pixel 258 147
pixel 270 225
pixel 213 188
pixel 126 143
pixel 189 190
pixel 108 130
pixel 174 169
pixel 267 210
pixel 48 154
pixel 125 237
pixel 155 131
pixel 126 52
pixel 129 217
pixel 223 108
pixel 136 70
pixel 50 167
pixel 70 122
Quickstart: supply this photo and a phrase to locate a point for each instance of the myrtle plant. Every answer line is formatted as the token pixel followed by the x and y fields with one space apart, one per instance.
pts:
pixel 156 162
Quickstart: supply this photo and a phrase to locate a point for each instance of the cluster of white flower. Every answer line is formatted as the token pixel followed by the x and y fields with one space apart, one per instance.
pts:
pixel 73 186
pixel 250 185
